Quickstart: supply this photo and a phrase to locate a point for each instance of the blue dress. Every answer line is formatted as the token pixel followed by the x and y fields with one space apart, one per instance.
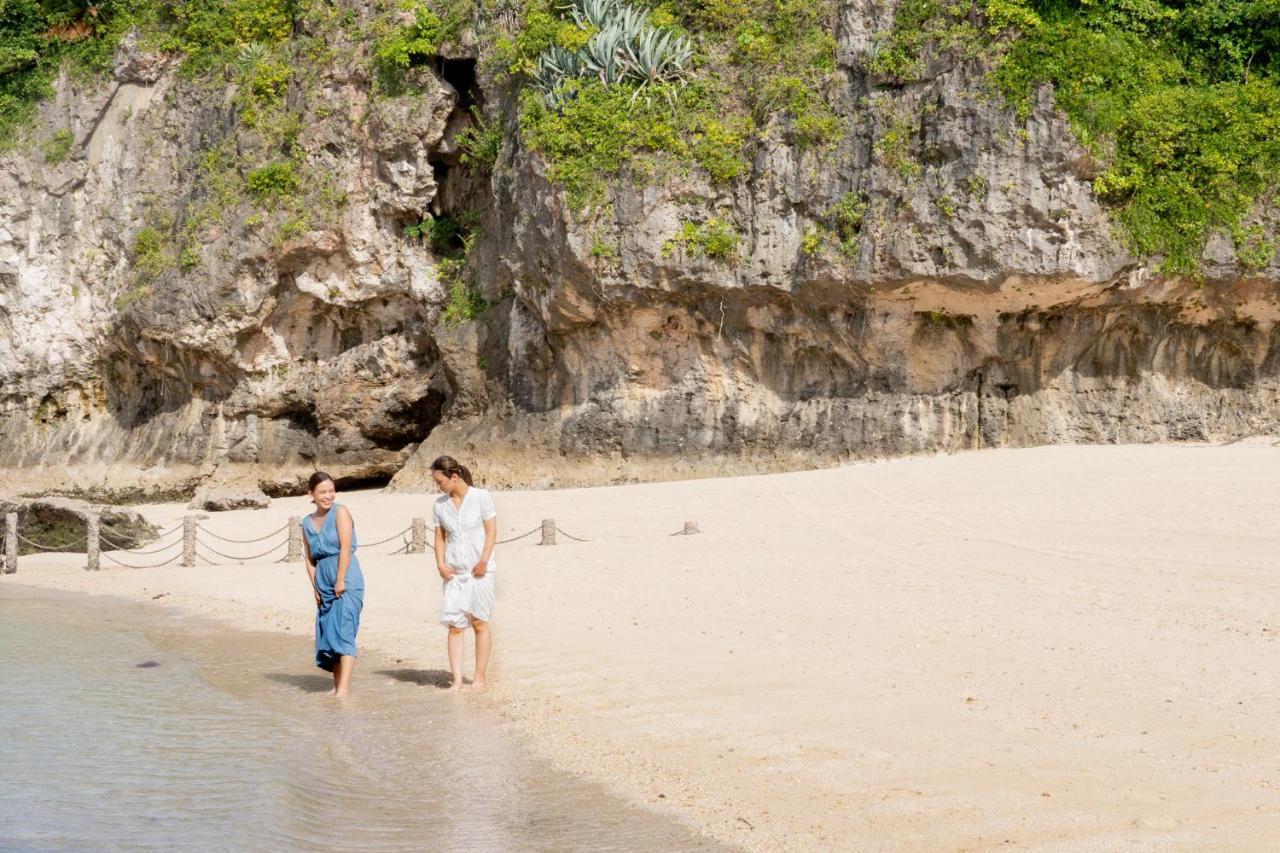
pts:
pixel 338 619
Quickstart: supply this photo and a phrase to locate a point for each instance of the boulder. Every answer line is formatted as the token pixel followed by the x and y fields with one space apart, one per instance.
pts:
pixel 60 523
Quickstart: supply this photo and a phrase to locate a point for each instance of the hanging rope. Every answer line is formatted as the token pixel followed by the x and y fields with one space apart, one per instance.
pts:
pixel 521 536
pixel 211 555
pixel 116 546
pixel 175 558
pixel 242 541
pixel 388 539
pixel 44 547
pixel 568 536
pixel 240 559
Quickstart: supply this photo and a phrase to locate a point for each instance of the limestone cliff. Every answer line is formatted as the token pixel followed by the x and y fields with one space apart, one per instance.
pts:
pixel 982 300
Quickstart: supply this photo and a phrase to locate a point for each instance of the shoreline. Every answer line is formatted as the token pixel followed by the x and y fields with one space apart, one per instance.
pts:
pixel 193 705
pixel 1063 647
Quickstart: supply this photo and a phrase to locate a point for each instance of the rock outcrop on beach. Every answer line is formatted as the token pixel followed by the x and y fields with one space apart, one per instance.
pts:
pixel 180 305
pixel 58 524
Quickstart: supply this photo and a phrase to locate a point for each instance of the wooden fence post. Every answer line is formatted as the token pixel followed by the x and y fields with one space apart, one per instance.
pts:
pixel 548 531
pixel 188 540
pixel 418 537
pixel 294 554
pixel 91 541
pixel 10 543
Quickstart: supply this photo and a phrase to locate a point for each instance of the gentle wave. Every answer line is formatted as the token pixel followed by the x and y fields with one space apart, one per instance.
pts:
pixel 229 744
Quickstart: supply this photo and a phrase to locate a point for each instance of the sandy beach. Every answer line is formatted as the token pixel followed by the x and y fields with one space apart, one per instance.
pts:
pixel 1065 648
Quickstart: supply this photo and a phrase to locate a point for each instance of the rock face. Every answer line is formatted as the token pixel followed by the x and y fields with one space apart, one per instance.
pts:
pixel 60 523
pixel 294 348
pixel 983 301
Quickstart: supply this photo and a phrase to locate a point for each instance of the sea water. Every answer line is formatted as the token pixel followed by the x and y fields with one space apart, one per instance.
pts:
pixel 124 728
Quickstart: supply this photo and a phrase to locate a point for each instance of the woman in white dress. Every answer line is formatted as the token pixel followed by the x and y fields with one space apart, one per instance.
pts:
pixel 466 531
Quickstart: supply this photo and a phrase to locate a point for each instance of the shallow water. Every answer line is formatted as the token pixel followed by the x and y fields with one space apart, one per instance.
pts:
pixel 225 741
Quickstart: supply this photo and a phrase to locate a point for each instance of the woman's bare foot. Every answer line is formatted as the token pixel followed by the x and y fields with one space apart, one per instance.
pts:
pixel 454 687
pixel 340 694
pixel 478 684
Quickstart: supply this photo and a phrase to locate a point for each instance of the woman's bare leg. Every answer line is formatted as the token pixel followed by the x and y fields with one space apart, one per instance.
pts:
pixel 484 642
pixel 342 675
pixel 455 658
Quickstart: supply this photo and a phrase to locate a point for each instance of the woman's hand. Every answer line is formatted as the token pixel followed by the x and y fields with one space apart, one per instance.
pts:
pixel 445 572
pixel 339 587
pixel 480 569
pixel 319 601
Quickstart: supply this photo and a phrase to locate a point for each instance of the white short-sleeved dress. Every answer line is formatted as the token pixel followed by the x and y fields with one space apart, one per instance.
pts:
pixel 466 597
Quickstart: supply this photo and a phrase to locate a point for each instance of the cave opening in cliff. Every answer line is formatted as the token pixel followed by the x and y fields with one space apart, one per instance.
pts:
pixel 453 207
pixel 370 480
pixel 461 75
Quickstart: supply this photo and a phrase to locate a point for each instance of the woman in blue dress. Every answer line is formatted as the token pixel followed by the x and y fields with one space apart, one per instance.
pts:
pixel 329 546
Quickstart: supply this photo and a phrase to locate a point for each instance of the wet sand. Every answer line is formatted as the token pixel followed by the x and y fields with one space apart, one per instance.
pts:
pixel 1064 648
pixel 133 727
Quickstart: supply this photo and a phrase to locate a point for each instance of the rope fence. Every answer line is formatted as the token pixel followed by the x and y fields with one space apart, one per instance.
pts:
pixel 175 558
pixel 44 547
pixel 242 558
pixel 270 535
pixel 116 546
pixel 199 543
pixel 399 535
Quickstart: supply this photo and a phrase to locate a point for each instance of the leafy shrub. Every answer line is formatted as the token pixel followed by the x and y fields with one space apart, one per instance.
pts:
pixel 273 180
pixel 1184 152
pixel 267 78
pixel 812 120
pixel 151 256
pixel 36 38
pixel 211 33
pixel 403 47
pixel 58 146
pixel 717 145
pixel 893 147
pixel 811 240
pixel 463 303
pixel 715 239
pixel 479 143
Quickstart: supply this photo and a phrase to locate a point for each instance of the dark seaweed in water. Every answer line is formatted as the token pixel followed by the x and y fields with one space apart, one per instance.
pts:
pixel 147 664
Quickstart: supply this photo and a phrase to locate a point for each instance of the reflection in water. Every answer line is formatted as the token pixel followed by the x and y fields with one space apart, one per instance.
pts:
pixel 123 728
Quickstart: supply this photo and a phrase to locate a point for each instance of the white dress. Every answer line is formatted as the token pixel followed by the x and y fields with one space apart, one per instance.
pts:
pixel 466 597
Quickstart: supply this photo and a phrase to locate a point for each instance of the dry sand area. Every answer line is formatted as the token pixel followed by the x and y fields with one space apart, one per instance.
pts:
pixel 1069 648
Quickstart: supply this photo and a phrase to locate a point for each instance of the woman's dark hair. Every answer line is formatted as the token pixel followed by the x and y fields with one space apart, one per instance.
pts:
pixel 449 466
pixel 316 479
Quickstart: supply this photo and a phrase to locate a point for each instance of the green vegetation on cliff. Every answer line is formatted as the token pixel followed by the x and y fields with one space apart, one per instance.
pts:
pixel 36 38
pixel 1177 102
pixel 751 66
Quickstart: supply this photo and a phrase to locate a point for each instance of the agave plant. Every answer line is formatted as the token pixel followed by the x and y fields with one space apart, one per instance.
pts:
pixel 593 14
pixel 625 48
pixel 555 65
pixel 251 54
pixel 633 20
pixel 657 56
pixel 603 55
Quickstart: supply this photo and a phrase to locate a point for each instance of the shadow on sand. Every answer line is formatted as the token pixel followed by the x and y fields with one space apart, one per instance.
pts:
pixel 305 683
pixel 421 677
